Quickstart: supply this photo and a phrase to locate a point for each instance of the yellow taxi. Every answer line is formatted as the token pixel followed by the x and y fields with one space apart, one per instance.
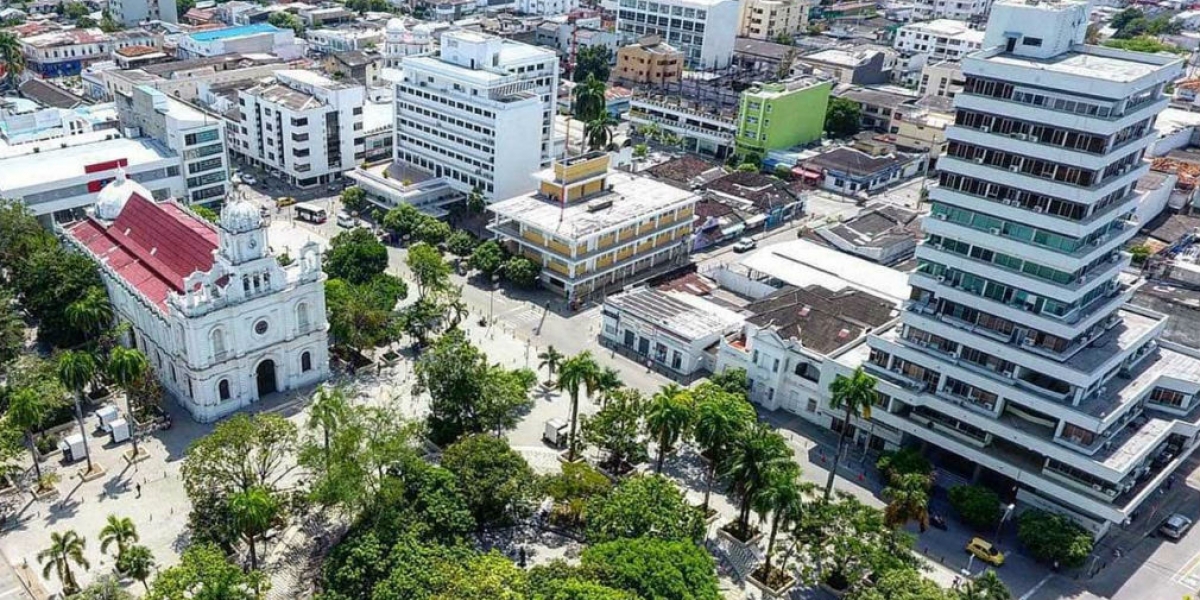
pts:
pixel 985 551
pixel 285 201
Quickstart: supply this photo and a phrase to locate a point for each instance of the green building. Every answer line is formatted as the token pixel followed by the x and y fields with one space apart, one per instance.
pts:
pixel 774 116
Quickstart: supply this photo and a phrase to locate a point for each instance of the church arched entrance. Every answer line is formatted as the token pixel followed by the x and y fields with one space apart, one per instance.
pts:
pixel 265 374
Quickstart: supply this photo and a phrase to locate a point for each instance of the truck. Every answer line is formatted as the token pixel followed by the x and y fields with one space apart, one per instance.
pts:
pixel 555 433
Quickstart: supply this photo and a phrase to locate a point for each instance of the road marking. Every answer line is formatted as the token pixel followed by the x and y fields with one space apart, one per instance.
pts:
pixel 11 592
pixel 1037 587
pixel 1189 574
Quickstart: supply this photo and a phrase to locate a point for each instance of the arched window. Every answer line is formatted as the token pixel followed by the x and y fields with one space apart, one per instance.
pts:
pixel 218 344
pixel 223 390
pixel 306 362
pixel 302 316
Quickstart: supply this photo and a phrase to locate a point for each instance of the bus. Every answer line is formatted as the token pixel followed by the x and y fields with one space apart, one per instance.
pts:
pixel 310 212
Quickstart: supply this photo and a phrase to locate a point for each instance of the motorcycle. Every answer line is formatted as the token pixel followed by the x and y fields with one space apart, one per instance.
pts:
pixel 937 522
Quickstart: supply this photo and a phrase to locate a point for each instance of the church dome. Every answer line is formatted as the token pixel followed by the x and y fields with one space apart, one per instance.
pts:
pixel 396 26
pixel 112 197
pixel 240 216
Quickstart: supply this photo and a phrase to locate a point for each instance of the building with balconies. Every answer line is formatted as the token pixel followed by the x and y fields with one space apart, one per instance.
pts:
pixel 590 227
pixel 1017 360
pixel 703 30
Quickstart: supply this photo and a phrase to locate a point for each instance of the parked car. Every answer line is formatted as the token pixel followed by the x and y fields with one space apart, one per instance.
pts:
pixel 345 220
pixel 985 551
pixel 745 245
pixel 249 179
pixel 1175 527
pixel 285 201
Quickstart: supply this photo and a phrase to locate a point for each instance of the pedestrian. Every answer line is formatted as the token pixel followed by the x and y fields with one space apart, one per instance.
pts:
pixel 139 490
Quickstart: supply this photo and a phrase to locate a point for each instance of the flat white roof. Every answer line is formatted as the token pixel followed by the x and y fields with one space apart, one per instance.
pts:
pixel 686 315
pixel 947 27
pixel 20 167
pixel 1084 64
pixel 377 115
pixel 1171 120
pixel 802 263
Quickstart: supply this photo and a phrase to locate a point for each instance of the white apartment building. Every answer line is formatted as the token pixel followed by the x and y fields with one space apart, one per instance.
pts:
pixel 193 135
pixel 303 124
pixel 1017 360
pixel 479 113
pixel 401 40
pixel 66 53
pixel 771 19
pixel 132 12
pixel 959 10
pixel 704 30
pixel 546 8
pixel 258 38
pixel 341 39
pixel 943 39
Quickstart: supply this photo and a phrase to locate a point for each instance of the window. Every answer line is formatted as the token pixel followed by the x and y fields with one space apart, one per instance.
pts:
pixel 261 327
pixel 302 316
pixel 775 366
pixel 306 362
pixel 218 344
pixel 1031 41
pixel 223 390
pixel 1167 397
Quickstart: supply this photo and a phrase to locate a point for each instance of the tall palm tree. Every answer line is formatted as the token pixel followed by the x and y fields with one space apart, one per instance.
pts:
pixel 27 410
pixel 13 59
pixel 456 311
pixel 65 548
pixel 253 512
pixel 92 313
pixel 76 370
pixel 599 131
pixel 783 498
pixel 577 373
pixel 550 360
pixel 608 381
pixel 753 458
pixel 329 411
pixel 855 395
pixel 908 500
pixel 667 419
pixel 138 563
pixel 590 102
pixel 720 418
pixel 985 587
pixel 120 531
pixel 127 367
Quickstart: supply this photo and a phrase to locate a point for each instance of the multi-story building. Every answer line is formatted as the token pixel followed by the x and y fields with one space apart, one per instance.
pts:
pixel 941 79
pixel 959 10
pixel 184 79
pixel 303 124
pixel 774 116
pixel 1018 357
pixel 193 135
pixel 774 19
pixel 649 60
pixel 703 129
pixel 479 114
pixel 401 40
pixel 704 30
pixel 132 12
pixel 932 42
pixel 342 39
pixel 546 8
pixel 259 38
pixel 861 65
pixel 590 227
pixel 67 52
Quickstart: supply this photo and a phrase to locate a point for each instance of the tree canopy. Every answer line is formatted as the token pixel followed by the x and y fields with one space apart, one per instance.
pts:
pixel 501 484
pixel 843 118
pixel 592 61
pixel 643 506
pixel 356 256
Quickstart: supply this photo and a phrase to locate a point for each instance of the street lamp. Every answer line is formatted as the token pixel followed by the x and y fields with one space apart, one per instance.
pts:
pixel 1008 510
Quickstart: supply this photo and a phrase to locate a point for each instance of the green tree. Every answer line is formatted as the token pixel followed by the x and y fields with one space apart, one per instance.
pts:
pixel 204 574
pixel 105 587
pixel 573 487
pixel 85 22
pixel 902 584
pixel 1144 43
pixel 242 452
pixel 907 497
pixel 599 131
pixel 668 418
pixel 206 213
pixel 432 231
pixel 616 429
pixel 355 256
pixel 354 199
pixel 286 20
pixel 643 506
pixel 361 316
pixel 654 568
pixel 27 410
pixel 12 330
pixel 254 511
pixel 902 462
pixel 590 103
pixel 108 24
pixel 521 271
pixel 488 576
pixel 120 531
pixel 501 483
pixel 403 220
pixel 592 62
pixel 985 587
pixel 843 118
pixel 1054 538
pixel 550 359
pixel 721 418
pixel 328 413
pixel 783 499
pixel 754 458
pixel 476 203
pixel 76 370
pixel 1140 253
pixel 975 504
pixel 75 10
pixel 734 381
pixel 126 367
pixel 65 548
pixel 487 258
pixel 91 314
pixel 854 395
pixel 845 543
pixel 137 562
pixel 460 243
pixel 429 270
pixel 13 58
pixel 577 374
pixel 608 382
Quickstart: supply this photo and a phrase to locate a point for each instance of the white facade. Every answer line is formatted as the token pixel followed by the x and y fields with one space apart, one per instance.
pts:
pixel 62 53
pixel 305 125
pixel 546 8
pixel 341 39
pixel 402 40
pixel 671 329
pixel 943 39
pixel 132 12
pixel 1017 354
pixel 479 114
pixel 260 38
pixel 221 338
pixel 704 30
pixel 959 10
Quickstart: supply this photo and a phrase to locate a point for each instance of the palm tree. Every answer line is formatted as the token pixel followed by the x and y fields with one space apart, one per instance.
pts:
pixel 12 57
pixel 550 360
pixel 127 367
pixel 138 563
pixel 650 131
pixel 329 410
pixel 91 313
pixel 475 201
pixel 75 370
pixel 985 587
pixel 668 417
pixel 753 458
pixel 118 530
pixel 855 395
pixel 908 500
pixel 577 373
pixel 608 381
pixel 783 498
pixel 65 548
pixel 590 102
pixel 253 511
pixel 720 418
pixel 27 410
pixel 599 131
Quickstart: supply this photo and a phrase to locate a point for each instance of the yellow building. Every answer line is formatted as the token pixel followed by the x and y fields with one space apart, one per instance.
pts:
pixel 650 60
pixel 774 19
pixel 591 227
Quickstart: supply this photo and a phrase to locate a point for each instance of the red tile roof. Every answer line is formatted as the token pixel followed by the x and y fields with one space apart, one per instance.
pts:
pixel 153 247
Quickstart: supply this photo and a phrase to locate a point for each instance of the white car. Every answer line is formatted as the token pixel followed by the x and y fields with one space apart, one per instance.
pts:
pixel 745 245
pixel 345 220
pixel 249 179
pixel 1175 527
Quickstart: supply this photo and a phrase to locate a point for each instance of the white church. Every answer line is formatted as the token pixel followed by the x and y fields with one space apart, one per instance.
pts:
pixel 221 321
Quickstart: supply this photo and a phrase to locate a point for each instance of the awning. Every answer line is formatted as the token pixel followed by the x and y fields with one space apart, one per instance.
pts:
pixel 806 173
